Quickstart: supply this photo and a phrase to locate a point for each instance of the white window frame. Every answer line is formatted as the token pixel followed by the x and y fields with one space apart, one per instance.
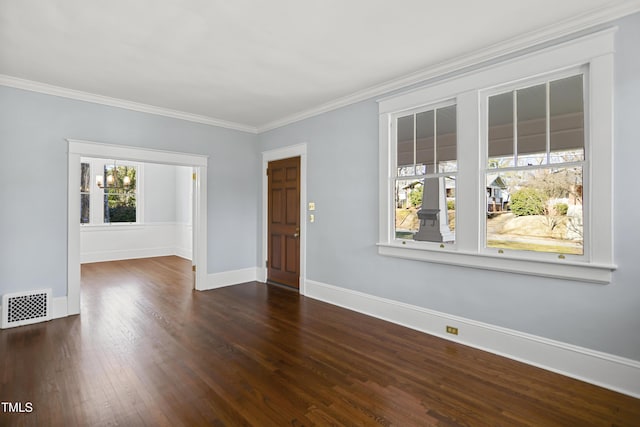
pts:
pixel 96 210
pixel 394 177
pixel 469 90
pixel 584 164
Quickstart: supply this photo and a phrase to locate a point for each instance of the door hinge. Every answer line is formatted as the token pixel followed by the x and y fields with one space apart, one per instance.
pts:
pixel 267 171
pixel 193 176
pixel 266 263
pixel 193 268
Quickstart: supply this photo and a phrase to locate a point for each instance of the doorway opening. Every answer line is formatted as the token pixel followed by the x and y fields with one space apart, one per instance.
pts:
pixel 198 164
pixel 134 210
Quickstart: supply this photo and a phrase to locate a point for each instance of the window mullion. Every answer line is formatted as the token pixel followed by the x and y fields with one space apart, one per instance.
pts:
pixel 101 194
pixel 97 200
pixel 548 122
pixel 435 138
pixel 415 142
pixel 515 128
pixel 469 175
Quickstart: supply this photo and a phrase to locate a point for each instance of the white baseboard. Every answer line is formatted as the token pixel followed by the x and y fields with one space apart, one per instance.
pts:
pixel 262 274
pixel 606 370
pixel 183 253
pixel 117 255
pixel 229 278
pixel 59 307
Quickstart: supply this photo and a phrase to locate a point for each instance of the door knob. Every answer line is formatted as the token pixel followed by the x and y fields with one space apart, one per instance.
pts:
pixel 296 235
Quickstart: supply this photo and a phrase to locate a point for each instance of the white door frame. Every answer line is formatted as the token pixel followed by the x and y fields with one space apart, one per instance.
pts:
pixel 279 154
pixel 78 149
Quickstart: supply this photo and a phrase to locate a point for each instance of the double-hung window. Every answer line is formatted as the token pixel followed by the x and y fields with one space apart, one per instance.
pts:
pixel 425 176
pixel 506 168
pixel 110 192
pixel 535 163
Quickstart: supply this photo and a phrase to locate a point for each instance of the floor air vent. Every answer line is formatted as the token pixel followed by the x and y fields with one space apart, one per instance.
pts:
pixel 24 308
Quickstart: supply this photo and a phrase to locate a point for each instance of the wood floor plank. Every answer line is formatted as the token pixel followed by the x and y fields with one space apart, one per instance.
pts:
pixel 148 350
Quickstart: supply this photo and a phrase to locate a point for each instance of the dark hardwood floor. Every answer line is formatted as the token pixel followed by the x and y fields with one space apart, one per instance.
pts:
pixel 147 350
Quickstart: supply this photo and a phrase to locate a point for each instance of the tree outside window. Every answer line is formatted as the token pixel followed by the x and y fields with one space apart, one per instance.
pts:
pixel 120 198
pixel 108 191
pixel 535 168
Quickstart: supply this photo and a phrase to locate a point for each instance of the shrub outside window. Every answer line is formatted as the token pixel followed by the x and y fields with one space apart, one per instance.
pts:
pixel 109 192
pixel 425 175
pixel 534 169
pixel 120 198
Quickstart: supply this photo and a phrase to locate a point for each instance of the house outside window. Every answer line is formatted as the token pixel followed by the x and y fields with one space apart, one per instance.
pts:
pixel 535 165
pixel 529 187
pixel 425 175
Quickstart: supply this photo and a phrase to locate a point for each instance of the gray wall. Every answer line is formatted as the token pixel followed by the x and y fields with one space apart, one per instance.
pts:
pixel 159 193
pixel 33 181
pixel 343 182
pixel 183 195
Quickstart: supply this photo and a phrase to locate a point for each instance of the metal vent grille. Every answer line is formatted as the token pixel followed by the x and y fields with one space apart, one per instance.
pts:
pixel 25 308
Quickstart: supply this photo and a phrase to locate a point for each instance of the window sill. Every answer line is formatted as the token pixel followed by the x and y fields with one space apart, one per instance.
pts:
pixel 562 269
pixel 112 226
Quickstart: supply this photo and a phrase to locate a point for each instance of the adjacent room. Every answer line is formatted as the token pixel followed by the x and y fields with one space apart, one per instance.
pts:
pixel 319 213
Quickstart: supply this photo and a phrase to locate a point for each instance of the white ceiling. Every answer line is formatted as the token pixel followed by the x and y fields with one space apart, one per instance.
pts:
pixel 262 63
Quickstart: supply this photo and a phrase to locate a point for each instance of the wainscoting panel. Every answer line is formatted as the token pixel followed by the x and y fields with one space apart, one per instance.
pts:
pixel 183 242
pixel 127 241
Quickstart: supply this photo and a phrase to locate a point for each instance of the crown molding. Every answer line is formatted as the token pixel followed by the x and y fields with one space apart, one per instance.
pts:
pixel 568 27
pixel 547 34
pixel 48 89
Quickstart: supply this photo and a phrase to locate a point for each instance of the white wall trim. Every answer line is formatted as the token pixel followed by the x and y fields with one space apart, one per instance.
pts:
pixel 136 154
pixel 542 267
pixel 116 255
pixel 606 370
pixel 230 278
pixel 561 29
pixel 112 242
pixel 184 234
pixel 59 307
pixel 182 253
pixel 278 154
pixel 547 34
pixel 48 89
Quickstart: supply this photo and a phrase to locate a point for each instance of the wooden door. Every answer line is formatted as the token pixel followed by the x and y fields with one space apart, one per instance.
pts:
pixel 283 263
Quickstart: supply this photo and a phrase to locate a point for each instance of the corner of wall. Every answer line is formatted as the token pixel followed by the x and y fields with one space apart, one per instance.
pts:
pixel 230 278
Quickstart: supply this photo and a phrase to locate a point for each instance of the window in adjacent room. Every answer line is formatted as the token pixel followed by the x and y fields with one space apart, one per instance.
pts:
pixel 110 192
pixel 120 194
pixel 85 193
